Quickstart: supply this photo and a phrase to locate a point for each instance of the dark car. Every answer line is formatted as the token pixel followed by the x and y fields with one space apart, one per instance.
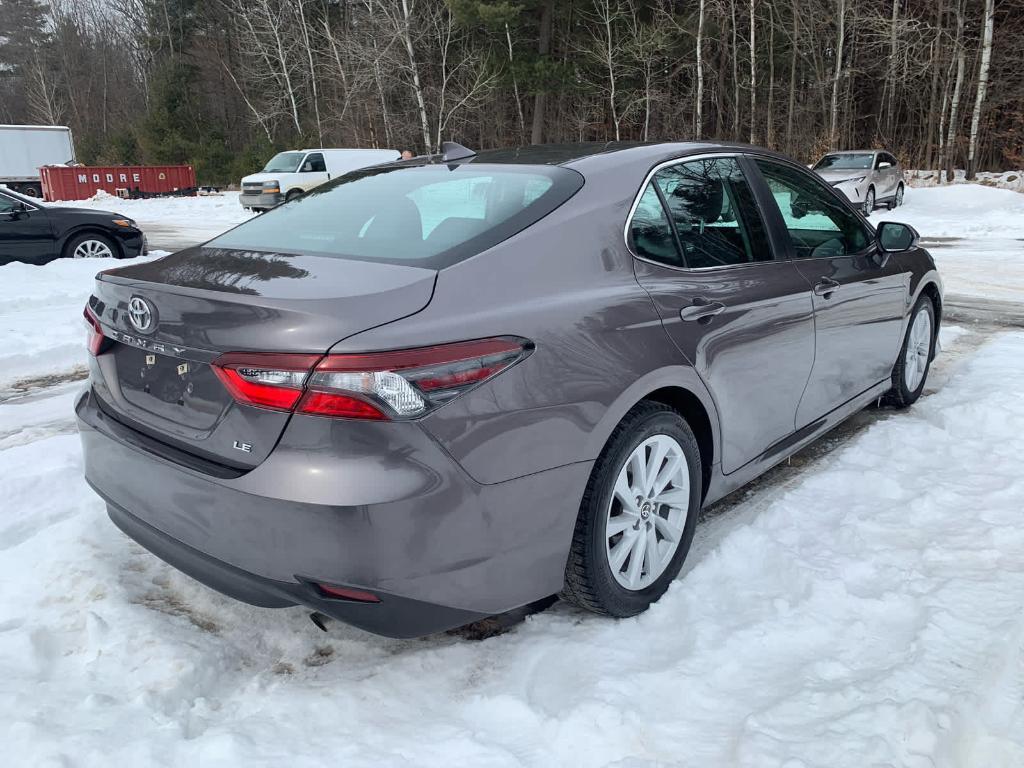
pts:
pixel 440 389
pixel 37 234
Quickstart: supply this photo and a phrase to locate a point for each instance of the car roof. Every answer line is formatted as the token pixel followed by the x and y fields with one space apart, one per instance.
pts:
pixel 594 156
pixel 855 152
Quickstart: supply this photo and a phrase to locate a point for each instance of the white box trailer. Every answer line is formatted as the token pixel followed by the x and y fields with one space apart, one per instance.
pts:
pixel 25 148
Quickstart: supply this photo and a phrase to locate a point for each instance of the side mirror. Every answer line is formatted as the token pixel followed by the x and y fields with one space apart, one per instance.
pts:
pixel 894 237
pixel 883 165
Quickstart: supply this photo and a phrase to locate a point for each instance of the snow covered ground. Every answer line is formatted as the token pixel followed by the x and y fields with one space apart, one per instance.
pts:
pixel 868 612
pixel 862 607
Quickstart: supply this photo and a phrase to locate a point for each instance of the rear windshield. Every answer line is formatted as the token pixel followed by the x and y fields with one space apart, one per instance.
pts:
pixel 428 216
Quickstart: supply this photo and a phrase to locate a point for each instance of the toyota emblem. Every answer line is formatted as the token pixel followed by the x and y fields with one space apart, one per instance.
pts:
pixel 140 314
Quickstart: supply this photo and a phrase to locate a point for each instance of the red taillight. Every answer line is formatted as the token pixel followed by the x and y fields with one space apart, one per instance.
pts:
pixel 380 385
pixel 346 593
pixel 264 380
pixel 94 338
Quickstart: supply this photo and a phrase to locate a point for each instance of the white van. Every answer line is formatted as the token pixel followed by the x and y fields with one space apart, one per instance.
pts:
pixel 289 174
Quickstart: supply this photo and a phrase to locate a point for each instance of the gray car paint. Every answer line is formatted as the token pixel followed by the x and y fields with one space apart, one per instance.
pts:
pixel 472 507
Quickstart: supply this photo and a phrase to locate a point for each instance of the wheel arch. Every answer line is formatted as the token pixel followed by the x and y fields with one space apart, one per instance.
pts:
pixel 680 388
pixel 931 290
pixel 86 229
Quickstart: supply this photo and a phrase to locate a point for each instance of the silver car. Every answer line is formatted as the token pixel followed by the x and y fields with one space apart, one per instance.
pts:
pixel 868 177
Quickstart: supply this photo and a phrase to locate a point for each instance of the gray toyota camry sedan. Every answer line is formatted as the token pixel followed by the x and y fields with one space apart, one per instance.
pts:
pixel 433 391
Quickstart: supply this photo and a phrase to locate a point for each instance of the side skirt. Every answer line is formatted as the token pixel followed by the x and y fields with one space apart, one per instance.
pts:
pixel 722 485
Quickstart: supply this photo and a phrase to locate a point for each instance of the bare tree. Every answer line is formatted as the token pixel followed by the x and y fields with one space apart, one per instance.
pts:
pixel 986 58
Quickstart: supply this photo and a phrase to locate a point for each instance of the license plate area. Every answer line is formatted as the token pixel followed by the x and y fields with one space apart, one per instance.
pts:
pixel 184 391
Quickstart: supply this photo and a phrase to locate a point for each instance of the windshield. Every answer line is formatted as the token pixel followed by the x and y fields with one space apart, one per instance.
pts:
pixel 284 162
pixel 857 161
pixel 427 215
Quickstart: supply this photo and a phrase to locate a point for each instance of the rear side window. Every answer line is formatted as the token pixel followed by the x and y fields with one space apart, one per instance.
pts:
pixel 429 216
pixel 820 225
pixel 711 214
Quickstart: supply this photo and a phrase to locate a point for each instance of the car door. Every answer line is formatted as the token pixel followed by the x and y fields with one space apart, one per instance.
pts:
pixel 860 295
pixel 313 170
pixel 885 171
pixel 25 232
pixel 743 320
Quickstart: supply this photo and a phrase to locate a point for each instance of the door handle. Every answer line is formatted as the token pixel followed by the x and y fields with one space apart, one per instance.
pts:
pixel 701 309
pixel 826 287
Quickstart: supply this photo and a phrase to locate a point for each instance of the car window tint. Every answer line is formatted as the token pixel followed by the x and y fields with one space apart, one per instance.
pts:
pixel 819 224
pixel 650 232
pixel 6 204
pixel 713 211
pixel 428 215
pixel 314 163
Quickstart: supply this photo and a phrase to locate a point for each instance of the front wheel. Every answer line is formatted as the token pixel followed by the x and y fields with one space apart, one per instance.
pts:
pixel 90 246
pixel 638 514
pixel 911 370
pixel 869 201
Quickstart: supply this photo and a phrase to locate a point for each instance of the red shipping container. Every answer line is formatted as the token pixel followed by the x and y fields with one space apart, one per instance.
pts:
pixel 81 182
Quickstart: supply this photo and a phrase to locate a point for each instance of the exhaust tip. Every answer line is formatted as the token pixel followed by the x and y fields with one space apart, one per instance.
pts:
pixel 320 620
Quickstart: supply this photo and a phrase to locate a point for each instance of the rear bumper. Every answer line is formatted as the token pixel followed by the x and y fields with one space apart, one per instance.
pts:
pixel 249 200
pixel 398 518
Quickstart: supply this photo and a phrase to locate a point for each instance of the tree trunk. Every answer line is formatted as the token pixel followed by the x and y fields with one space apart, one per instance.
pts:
pixel 890 79
pixel 699 120
pixel 834 108
pixel 543 48
pixel 792 78
pixel 406 33
pixel 753 76
pixel 986 58
pixel 934 100
pixel 769 136
pixel 515 86
pixel 954 106
pixel 735 77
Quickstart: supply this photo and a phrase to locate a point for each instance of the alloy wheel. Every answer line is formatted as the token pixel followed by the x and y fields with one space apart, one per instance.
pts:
pixel 92 249
pixel 869 202
pixel 919 347
pixel 899 195
pixel 647 513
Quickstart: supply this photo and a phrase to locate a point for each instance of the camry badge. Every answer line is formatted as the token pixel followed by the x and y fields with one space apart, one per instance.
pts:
pixel 140 314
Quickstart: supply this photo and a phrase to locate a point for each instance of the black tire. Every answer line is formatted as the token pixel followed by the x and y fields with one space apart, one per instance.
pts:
pixel 71 245
pixel 589 582
pixel 897 201
pixel 292 194
pixel 900 396
pixel 31 190
pixel 869 201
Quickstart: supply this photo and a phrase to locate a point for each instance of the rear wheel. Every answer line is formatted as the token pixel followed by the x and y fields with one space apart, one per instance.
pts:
pixel 911 370
pixel 638 514
pixel 898 200
pixel 90 246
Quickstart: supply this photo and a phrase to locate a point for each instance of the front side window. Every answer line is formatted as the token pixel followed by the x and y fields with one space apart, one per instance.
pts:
pixel 6 204
pixel 428 215
pixel 819 224
pixel 314 163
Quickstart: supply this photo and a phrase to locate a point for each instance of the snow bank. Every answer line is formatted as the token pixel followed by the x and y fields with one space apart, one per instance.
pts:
pixel 1003 179
pixel 960 210
pixel 871 612
pixel 205 210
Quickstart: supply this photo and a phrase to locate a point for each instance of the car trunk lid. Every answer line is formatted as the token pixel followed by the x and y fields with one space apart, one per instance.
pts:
pixel 170 319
